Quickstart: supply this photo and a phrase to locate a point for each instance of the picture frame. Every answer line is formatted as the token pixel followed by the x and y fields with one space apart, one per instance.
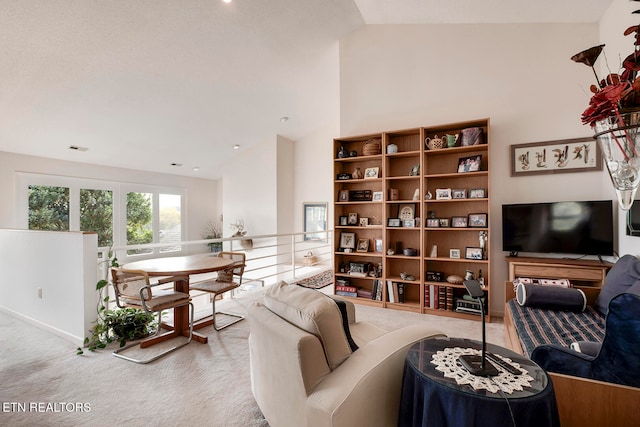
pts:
pixel 348 240
pixel 415 170
pixel 454 253
pixel 433 222
pixel 443 194
pixel 343 196
pixel 477 193
pixel 363 245
pixel 409 223
pixel 444 222
pixel 560 156
pixel 459 193
pixel 377 244
pixel 377 196
pixel 459 221
pixel 470 163
pixel 477 220
pixel 364 222
pixel 406 211
pixel 343 220
pixel 353 219
pixel 473 253
pixel 393 222
pixel 315 221
pixel 371 173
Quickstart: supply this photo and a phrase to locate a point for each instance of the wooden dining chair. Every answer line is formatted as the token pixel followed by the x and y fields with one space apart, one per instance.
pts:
pixel 227 280
pixel 133 289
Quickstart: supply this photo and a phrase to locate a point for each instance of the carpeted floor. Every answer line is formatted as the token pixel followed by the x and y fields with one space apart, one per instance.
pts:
pixel 44 383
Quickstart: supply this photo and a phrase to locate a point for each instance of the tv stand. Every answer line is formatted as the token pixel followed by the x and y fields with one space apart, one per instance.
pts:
pixel 587 275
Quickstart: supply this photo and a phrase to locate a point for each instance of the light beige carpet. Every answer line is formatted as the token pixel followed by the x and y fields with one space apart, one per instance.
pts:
pixel 44 383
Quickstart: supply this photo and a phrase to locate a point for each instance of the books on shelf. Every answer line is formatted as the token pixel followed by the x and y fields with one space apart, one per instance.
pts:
pixel 347 294
pixel 346 288
pixel 376 291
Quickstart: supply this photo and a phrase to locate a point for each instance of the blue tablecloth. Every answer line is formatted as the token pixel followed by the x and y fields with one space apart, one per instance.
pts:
pixel 430 399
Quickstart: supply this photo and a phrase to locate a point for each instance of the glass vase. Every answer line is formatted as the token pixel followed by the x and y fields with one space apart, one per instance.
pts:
pixel 619 140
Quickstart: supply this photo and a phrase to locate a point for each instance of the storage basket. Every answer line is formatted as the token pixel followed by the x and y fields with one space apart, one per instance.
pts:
pixel 371 147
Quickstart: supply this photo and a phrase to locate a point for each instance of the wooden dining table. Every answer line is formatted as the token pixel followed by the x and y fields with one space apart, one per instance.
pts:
pixel 180 267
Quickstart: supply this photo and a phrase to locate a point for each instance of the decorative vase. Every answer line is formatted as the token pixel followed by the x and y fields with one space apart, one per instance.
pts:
pixel 619 140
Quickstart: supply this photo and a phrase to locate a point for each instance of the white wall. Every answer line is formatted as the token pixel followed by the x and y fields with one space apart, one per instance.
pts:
pixel 249 188
pixel 520 76
pixel 202 195
pixel 64 266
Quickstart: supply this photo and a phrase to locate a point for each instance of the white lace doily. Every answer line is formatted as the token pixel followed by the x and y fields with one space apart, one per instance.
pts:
pixel 446 361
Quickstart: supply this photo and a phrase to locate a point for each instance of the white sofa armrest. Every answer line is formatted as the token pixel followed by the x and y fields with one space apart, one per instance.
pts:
pixel 365 389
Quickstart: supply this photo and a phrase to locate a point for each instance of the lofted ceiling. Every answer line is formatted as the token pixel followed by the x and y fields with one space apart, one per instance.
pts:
pixel 143 84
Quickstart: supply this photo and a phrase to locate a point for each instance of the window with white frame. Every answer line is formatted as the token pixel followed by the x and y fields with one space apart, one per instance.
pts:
pixel 121 214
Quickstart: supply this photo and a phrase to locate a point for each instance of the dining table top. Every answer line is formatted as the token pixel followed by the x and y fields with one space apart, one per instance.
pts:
pixel 180 265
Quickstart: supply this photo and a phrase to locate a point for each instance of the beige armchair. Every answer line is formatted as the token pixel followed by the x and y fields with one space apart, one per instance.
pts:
pixel 304 371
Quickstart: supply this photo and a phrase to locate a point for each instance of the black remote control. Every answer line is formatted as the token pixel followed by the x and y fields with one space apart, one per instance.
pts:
pixel 504 365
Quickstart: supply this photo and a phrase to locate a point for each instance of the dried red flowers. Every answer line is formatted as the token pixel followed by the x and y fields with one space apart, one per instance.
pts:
pixel 616 92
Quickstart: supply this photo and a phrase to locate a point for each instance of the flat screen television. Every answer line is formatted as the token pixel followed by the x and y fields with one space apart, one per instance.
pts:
pixel 582 228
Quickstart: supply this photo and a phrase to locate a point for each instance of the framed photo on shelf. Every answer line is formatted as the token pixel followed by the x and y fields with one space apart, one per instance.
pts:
pixel 459 193
pixel 348 240
pixel 409 223
pixel 473 253
pixel 363 245
pixel 377 196
pixel 459 222
pixel 478 220
pixel 393 222
pixel 364 222
pixel 406 211
pixel 444 222
pixel 477 193
pixel 371 173
pixel 433 222
pixel 343 196
pixel 353 219
pixel 454 253
pixel 377 244
pixel 343 220
pixel 443 194
pixel 470 164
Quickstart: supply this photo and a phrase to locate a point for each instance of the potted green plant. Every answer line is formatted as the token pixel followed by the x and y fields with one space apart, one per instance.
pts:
pixel 120 324
pixel 214 231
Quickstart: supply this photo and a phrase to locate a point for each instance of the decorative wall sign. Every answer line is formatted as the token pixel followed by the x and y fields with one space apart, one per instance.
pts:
pixel 562 156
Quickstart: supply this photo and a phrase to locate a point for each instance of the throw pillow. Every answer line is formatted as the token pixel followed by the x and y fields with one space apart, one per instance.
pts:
pixel 313 312
pixel 342 306
pixel 624 274
pixel 590 348
pixel 225 276
pixel 551 297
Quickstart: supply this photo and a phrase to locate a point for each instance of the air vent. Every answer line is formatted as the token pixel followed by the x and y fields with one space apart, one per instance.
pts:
pixel 76 148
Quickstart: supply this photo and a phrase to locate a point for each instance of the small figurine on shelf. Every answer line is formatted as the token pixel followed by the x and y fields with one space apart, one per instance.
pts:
pixel 483 243
pixel 481 278
pixel 342 153
pixel 469 275
pixel 357 174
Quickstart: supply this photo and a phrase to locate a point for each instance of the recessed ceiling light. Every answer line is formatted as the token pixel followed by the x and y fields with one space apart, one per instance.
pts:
pixel 284 119
pixel 176 164
pixel 196 168
pixel 236 146
pixel 76 148
pixel 227 1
